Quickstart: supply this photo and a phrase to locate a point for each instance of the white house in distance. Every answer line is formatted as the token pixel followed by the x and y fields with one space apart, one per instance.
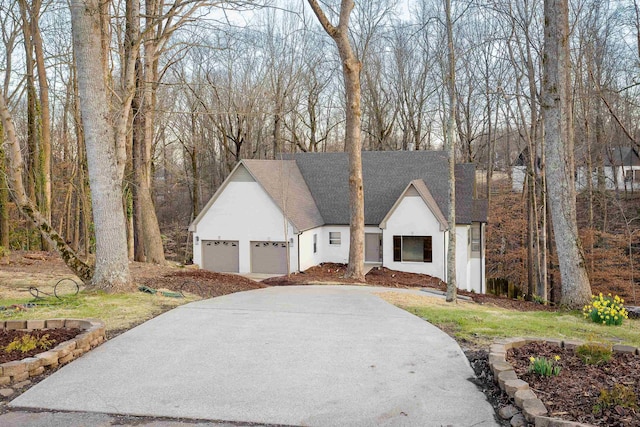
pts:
pixel 621 170
pixel 274 216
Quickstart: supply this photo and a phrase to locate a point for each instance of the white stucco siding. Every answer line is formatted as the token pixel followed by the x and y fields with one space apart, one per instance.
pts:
pixel 335 252
pixel 477 267
pixel 611 175
pixel 462 257
pixel 244 212
pixel 412 217
pixel 307 257
pixel 518 174
pixel 327 251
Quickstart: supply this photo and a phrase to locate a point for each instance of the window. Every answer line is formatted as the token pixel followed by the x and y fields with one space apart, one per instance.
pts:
pixel 412 249
pixel 334 238
pixel 475 238
pixel 315 243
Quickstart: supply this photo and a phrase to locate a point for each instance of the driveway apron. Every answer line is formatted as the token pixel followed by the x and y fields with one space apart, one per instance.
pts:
pixel 308 355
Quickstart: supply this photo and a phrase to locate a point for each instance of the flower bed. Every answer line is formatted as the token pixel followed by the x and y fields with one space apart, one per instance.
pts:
pixel 92 335
pixel 532 407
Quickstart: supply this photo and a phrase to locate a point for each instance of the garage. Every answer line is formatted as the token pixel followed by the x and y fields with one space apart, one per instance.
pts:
pixel 269 257
pixel 220 255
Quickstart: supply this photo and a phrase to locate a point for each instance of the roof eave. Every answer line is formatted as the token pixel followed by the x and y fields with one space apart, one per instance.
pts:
pixel 426 197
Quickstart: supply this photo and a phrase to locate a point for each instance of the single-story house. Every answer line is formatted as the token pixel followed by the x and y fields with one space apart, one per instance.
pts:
pixel 620 170
pixel 279 216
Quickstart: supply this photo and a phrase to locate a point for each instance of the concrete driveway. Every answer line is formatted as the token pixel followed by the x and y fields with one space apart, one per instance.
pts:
pixel 311 355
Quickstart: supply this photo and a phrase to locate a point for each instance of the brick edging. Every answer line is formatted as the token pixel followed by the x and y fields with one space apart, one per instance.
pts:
pixel 532 408
pixel 64 352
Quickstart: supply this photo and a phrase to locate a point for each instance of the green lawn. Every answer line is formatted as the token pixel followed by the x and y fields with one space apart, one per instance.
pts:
pixel 118 311
pixel 482 324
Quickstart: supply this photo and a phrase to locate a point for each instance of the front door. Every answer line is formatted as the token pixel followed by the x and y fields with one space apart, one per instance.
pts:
pixel 373 247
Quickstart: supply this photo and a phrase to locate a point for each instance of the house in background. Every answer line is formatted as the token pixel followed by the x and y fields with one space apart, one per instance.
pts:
pixel 519 170
pixel 621 170
pixel 279 216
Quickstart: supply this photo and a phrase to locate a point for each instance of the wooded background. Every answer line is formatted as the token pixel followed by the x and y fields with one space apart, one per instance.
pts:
pixel 216 82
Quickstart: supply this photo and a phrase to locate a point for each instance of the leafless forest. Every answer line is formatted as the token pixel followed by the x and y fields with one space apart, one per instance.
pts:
pixel 194 86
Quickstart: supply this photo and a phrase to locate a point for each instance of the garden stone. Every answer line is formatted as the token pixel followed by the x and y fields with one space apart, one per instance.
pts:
pixel 507 412
pixel 21 384
pixel 6 392
pixel 505 376
pixel 512 386
pixel 532 408
pixel 518 421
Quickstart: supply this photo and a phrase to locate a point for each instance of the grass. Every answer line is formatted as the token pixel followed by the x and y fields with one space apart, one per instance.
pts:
pixel 480 324
pixel 117 311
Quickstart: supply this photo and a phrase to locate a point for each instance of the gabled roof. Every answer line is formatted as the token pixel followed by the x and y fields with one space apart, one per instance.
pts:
pixel 426 197
pixel 386 175
pixel 621 156
pixel 283 182
pixel 312 189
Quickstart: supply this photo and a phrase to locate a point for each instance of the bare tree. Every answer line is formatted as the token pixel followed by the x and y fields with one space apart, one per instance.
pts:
pixel 556 107
pixel 351 67
pixel 450 83
pixel 27 206
pixel 112 263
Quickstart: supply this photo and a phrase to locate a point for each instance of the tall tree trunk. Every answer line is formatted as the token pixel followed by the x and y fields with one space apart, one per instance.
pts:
pixel 44 172
pixel 351 67
pixel 26 206
pixel 4 197
pixel 452 286
pixel 146 220
pixel 33 128
pixel 112 264
pixel 137 230
pixel 556 107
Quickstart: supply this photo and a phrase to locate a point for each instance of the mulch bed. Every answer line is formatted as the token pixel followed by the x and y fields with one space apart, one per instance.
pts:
pixel 381 276
pixel 206 284
pixel 56 336
pixel 573 394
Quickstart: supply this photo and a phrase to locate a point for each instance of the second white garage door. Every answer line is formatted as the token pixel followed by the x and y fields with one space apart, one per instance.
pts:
pixel 269 257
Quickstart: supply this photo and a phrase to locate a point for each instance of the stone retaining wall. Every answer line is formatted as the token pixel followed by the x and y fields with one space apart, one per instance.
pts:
pixel 64 352
pixel 532 408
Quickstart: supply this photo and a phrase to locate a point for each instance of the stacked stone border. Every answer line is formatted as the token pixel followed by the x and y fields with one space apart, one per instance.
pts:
pixel 532 408
pixel 20 370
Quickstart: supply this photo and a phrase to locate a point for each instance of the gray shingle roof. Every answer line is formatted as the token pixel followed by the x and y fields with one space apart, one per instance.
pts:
pixel 386 174
pixel 284 183
pixel 621 156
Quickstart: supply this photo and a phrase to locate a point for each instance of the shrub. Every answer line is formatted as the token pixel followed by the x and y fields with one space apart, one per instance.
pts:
pixel 618 395
pixel 593 353
pixel 28 342
pixel 543 366
pixel 607 310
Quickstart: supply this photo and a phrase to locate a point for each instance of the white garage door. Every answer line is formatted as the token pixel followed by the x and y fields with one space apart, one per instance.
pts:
pixel 269 257
pixel 220 255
